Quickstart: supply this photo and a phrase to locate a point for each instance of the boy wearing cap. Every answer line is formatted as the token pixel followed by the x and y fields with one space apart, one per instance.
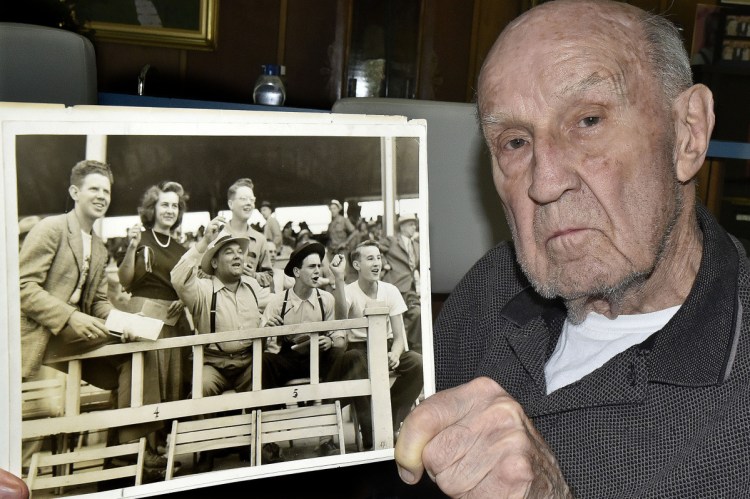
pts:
pixel 364 292
pixel 304 303
pixel 227 301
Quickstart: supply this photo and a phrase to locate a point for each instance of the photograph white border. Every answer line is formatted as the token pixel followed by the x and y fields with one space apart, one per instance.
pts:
pixel 38 119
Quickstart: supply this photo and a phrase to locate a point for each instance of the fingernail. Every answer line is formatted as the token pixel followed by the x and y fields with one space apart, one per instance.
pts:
pixel 405 475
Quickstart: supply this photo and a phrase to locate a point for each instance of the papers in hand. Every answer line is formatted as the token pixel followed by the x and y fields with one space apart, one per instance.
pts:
pixel 147 328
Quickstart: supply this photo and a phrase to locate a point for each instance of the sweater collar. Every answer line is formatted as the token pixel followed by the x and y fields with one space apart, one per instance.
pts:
pixel 696 347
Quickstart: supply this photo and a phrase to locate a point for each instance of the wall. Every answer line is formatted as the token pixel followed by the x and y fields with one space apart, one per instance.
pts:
pixel 311 39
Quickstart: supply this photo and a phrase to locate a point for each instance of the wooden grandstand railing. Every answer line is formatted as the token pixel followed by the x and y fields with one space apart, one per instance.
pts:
pixel 375 386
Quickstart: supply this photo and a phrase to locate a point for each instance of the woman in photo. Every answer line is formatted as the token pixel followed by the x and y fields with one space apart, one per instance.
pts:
pixel 153 249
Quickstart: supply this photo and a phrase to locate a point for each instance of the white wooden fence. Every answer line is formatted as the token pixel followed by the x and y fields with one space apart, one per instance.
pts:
pixel 375 386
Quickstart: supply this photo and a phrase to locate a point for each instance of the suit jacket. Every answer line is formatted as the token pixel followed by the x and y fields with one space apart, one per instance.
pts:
pixel 401 274
pixel 50 262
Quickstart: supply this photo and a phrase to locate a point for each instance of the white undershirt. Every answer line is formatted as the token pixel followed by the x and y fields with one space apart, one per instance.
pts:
pixel 583 348
pixel 86 238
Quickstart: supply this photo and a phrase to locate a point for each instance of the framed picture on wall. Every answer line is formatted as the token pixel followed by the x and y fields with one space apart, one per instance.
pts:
pixel 61 426
pixel 187 24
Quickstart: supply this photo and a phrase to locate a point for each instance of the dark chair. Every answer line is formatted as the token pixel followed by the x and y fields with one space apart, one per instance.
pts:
pixel 49 65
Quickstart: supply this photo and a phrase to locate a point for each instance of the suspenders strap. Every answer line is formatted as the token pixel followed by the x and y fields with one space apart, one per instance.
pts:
pixel 212 312
pixel 320 302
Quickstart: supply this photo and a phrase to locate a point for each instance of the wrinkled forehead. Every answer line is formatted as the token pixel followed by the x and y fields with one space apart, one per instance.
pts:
pixel 564 40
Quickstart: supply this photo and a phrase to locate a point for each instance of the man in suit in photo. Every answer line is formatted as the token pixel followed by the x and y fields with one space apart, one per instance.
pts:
pixel 63 291
pixel 402 255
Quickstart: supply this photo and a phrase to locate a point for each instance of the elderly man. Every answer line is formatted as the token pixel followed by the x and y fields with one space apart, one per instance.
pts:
pixel 605 352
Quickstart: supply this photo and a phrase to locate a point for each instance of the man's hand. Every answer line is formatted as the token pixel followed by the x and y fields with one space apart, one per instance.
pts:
pixel 476 442
pixel 85 327
pixel 212 231
pixel 134 235
pixel 175 308
pixel 394 360
pixel 324 343
pixel 248 270
pixel 275 320
pixel 338 267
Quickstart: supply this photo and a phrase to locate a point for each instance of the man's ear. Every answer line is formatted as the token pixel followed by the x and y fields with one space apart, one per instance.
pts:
pixel 73 191
pixel 693 113
pixel 295 271
pixel 214 264
pixel 355 265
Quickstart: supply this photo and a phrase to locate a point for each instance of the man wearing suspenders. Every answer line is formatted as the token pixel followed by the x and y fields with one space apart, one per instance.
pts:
pixel 306 303
pixel 227 301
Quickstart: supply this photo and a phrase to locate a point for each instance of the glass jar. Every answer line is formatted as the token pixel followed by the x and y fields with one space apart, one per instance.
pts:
pixel 269 89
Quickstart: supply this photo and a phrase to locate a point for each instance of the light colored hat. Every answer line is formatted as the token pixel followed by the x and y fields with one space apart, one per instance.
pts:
pixel 407 217
pixel 216 245
pixel 337 203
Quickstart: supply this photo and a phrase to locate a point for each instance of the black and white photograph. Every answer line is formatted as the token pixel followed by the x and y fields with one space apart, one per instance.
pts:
pixel 206 297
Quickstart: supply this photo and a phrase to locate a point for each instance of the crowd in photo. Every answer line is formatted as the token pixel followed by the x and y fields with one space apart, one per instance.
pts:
pixel 227 276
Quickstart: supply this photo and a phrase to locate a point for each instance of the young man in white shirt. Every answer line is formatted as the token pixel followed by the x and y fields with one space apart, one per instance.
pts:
pixel 364 292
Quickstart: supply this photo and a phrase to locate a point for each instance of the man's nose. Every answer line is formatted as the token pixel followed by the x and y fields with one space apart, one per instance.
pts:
pixel 553 170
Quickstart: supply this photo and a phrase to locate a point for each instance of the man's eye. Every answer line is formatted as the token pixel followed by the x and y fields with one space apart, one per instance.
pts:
pixel 515 144
pixel 589 121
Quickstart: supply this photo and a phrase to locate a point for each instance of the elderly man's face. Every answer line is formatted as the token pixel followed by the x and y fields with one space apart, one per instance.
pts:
pixel 581 146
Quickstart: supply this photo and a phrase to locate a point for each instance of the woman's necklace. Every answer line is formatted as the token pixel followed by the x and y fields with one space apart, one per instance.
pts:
pixel 169 239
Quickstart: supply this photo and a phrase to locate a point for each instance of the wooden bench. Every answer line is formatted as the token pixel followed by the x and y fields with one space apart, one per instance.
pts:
pixel 213 433
pixel 86 466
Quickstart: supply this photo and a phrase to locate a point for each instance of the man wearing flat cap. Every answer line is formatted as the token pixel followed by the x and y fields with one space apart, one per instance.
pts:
pixel 226 301
pixel 304 303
